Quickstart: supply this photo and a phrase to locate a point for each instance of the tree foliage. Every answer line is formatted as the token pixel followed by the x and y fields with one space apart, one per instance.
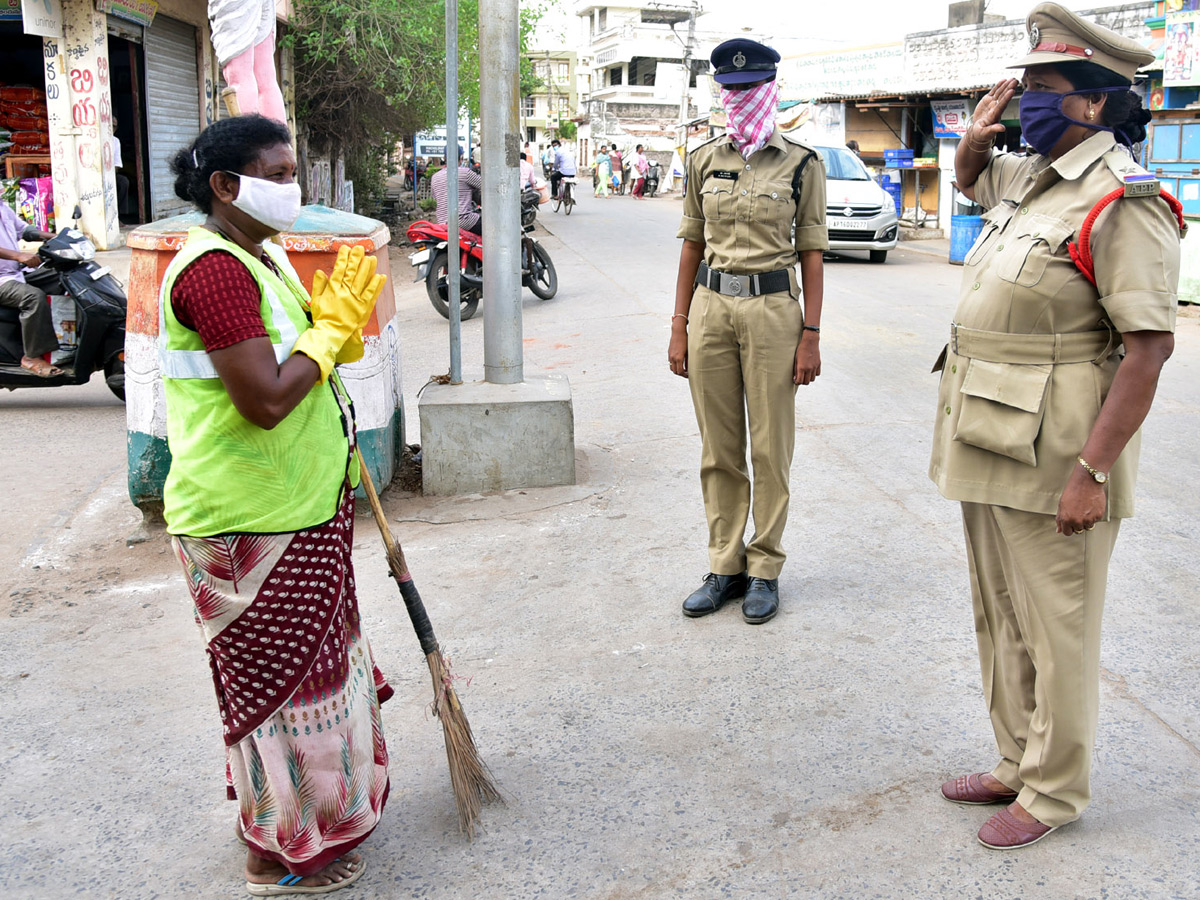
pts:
pixel 369 72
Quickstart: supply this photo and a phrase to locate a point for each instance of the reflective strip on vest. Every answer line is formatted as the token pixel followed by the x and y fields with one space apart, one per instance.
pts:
pixel 197 363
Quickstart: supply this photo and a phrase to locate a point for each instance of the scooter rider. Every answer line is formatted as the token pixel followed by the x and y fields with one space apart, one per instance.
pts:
pixel 37 325
pixel 564 166
pixel 470 190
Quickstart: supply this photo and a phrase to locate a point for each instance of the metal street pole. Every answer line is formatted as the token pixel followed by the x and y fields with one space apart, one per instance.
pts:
pixel 498 99
pixel 453 258
pixel 687 75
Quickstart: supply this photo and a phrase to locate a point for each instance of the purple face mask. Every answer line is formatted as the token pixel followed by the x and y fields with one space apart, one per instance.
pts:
pixel 1043 121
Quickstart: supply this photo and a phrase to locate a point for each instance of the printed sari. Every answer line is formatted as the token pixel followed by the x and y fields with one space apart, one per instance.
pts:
pixel 297 687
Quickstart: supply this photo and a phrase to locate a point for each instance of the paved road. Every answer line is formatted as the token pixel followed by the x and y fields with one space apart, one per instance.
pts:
pixel 644 755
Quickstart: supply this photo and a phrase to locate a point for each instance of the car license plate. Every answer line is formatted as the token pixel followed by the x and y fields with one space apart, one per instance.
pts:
pixel 856 224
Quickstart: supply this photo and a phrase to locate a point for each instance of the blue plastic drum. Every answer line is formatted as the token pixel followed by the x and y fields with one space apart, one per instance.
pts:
pixel 964 230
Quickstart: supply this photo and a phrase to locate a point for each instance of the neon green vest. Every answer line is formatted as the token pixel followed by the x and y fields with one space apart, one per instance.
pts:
pixel 227 474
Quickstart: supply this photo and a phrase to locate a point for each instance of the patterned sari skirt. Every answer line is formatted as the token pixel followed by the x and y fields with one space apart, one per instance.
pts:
pixel 297 687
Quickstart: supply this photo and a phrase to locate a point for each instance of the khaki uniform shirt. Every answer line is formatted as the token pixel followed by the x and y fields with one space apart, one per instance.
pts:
pixel 1009 434
pixel 743 209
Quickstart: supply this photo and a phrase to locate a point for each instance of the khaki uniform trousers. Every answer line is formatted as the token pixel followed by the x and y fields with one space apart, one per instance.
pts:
pixel 741 360
pixel 1038 599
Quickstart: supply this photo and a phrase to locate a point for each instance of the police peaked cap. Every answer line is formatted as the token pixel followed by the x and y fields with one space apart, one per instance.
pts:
pixel 741 61
pixel 1057 35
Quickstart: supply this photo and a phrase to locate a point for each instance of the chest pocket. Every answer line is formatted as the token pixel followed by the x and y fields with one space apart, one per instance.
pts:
pixel 1028 246
pixel 994 221
pixel 717 198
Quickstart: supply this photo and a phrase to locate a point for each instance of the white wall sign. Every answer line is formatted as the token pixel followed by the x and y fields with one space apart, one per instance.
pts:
pixel 42 17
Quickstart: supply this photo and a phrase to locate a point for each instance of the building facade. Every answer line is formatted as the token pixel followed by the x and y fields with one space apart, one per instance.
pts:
pixel 1172 148
pixel 556 99
pixel 645 66
pixel 143 71
pixel 918 94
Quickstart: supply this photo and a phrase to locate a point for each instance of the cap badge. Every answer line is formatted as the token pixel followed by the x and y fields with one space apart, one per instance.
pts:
pixel 739 59
pixel 1035 35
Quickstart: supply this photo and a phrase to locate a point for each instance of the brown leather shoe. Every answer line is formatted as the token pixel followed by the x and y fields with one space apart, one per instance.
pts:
pixel 969 790
pixel 1004 831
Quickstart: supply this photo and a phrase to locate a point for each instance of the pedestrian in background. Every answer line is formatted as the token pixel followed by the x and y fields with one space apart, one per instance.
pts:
pixel 738 333
pixel 1044 387
pixel 259 500
pixel 615 160
pixel 603 172
pixel 637 171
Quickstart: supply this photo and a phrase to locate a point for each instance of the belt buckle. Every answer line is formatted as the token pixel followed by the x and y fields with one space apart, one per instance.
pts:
pixel 954 338
pixel 737 285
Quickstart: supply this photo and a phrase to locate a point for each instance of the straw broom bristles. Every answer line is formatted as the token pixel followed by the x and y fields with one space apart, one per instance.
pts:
pixel 469 775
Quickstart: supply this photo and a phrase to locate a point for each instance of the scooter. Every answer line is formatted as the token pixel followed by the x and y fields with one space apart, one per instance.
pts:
pixel 69 268
pixel 431 261
pixel 650 188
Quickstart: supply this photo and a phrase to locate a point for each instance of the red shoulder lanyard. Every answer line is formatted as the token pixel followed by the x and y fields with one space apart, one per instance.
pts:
pixel 1081 252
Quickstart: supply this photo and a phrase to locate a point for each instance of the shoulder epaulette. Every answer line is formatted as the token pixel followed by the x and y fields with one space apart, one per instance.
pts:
pixel 1136 181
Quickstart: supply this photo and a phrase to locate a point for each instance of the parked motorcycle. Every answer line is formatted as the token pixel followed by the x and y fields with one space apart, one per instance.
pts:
pixel 431 260
pixel 70 269
pixel 650 188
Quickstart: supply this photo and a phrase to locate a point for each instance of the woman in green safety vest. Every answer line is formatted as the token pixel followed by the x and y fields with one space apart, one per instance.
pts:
pixel 260 503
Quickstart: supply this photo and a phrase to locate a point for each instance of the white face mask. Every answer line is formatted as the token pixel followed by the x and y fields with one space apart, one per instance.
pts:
pixel 277 206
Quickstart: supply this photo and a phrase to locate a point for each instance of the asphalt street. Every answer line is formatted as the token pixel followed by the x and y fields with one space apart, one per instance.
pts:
pixel 643 755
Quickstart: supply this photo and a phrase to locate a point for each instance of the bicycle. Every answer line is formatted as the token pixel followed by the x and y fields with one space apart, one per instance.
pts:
pixel 566 195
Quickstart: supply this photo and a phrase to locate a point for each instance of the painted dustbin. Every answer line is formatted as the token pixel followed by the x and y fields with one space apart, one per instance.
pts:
pixel 312 243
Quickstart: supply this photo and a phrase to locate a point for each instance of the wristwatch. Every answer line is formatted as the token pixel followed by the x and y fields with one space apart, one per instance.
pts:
pixel 1100 477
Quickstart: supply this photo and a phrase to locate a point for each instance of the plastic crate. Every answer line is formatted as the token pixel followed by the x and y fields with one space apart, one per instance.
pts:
pixel 890 155
pixel 902 163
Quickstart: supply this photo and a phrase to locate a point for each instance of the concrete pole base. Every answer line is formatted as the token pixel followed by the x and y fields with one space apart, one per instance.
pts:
pixel 480 436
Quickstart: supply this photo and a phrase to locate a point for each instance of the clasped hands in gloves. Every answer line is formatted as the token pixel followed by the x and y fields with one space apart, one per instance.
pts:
pixel 341 304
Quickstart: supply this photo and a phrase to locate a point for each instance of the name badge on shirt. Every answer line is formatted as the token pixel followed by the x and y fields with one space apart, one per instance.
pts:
pixel 726 174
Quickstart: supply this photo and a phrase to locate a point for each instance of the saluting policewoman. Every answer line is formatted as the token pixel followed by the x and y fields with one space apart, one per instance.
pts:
pixel 1039 409
pixel 739 334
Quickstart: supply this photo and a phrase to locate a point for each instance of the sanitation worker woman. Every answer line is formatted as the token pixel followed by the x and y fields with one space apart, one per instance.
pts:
pixel 1039 412
pixel 260 503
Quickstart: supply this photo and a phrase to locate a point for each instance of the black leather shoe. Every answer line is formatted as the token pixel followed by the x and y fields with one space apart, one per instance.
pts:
pixel 762 600
pixel 711 595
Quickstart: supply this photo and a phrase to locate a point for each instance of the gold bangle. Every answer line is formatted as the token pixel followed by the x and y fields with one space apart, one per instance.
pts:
pixel 987 145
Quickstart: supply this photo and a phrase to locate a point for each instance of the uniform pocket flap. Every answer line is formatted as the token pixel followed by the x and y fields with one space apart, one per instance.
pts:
pixel 998 214
pixel 1002 408
pixel 1018 386
pixel 1049 230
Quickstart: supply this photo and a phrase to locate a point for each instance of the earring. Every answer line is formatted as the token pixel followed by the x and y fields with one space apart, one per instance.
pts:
pixel 1091 114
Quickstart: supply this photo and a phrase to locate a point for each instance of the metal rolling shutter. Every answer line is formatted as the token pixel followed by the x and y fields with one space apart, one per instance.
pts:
pixel 172 106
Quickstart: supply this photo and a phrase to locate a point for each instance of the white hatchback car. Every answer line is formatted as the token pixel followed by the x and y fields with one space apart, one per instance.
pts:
pixel 859 213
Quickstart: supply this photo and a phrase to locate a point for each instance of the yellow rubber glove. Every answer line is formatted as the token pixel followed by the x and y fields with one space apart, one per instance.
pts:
pixel 353 349
pixel 340 308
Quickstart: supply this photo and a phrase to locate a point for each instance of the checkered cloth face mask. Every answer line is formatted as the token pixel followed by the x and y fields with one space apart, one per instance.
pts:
pixel 751 115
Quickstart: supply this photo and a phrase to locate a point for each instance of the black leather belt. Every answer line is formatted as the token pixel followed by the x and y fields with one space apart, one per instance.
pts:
pixel 744 285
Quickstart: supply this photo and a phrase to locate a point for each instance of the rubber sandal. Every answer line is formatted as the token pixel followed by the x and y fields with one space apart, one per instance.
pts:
pixel 289 884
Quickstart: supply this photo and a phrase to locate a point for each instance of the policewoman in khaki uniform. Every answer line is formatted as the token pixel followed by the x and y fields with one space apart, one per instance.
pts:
pixel 1039 407
pixel 739 334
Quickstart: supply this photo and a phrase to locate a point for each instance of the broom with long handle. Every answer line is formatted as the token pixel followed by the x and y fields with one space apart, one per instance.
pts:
pixel 469 775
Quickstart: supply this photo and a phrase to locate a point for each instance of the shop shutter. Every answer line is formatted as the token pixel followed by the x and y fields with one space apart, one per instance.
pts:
pixel 172 106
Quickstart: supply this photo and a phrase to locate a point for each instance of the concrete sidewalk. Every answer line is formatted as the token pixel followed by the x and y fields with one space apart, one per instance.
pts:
pixel 643 755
